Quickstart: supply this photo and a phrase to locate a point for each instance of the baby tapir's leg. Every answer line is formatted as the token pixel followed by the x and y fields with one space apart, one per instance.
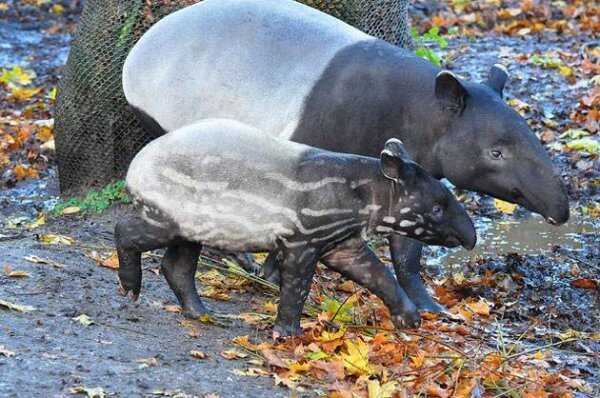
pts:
pixel 179 267
pixel 297 271
pixel 133 236
pixel 271 267
pixel 406 256
pixel 353 259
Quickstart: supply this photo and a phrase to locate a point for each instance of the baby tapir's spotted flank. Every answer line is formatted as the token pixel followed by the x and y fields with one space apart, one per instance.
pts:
pixel 223 184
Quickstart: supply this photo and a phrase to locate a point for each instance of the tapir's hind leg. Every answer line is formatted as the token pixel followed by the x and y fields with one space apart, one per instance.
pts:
pixel 179 267
pixel 133 236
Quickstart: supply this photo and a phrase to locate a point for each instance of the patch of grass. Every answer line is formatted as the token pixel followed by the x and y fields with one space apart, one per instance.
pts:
pixel 96 201
pixel 424 42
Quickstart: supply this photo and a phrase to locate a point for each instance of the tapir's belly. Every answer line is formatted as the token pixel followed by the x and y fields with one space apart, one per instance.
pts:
pixel 254 61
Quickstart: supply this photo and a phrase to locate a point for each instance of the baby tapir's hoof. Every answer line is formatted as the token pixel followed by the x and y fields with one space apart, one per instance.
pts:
pixel 130 281
pixel 286 330
pixel 411 320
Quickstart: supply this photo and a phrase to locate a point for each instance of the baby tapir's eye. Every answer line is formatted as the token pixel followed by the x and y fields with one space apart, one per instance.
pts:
pixel 437 211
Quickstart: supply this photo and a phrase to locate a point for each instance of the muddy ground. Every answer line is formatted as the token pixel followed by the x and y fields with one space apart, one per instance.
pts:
pixel 54 353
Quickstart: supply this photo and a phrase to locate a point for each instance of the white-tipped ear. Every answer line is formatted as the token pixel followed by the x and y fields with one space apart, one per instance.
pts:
pixel 396 146
pixel 497 78
pixel 450 91
pixel 394 167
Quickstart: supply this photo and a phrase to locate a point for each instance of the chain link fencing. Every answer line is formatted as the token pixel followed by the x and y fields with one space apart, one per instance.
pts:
pixel 97 135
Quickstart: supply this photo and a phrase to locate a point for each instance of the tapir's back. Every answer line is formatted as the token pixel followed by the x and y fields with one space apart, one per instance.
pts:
pixel 219 179
pixel 250 60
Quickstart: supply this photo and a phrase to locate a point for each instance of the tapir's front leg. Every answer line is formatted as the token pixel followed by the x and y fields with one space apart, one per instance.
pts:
pixel 353 259
pixel 297 271
pixel 406 256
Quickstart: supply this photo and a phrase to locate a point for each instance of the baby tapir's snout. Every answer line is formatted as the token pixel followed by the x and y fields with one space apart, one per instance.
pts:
pixel 462 228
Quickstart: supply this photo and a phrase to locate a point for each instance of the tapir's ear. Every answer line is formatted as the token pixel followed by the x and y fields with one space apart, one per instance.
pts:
pixel 450 91
pixel 497 78
pixel 395 146
pixel 393 166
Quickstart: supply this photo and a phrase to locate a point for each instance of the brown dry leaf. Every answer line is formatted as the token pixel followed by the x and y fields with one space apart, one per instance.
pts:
pixel 418 360
pixel 272 359
pixel 233 354
pixel 481 307
pixel 215 293
pixel 251 372
pixel 198 354
pixel 584 283
pixel 22 172
pixel 328 370
pixel 14 274
pixel 173 308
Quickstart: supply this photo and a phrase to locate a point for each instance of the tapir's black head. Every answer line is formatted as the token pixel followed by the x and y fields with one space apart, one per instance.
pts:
pixel 420 206
pixel 488 147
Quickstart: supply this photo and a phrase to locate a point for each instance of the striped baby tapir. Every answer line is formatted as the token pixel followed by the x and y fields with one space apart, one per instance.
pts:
pixel 223 184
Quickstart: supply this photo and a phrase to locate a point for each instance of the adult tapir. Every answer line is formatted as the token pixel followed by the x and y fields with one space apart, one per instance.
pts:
pixel 291 71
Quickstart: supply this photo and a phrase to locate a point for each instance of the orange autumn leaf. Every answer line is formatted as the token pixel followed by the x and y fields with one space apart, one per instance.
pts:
pixel 22 172
pixel 480 307
pixel 584 283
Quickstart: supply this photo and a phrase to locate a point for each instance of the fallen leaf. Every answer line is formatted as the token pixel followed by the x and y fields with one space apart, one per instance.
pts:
pixel 96 392
pixel 147 362
pixel 505 207
pixel 233 354
pixel 377 390
pixel 70 210
pixel 198 354
pixel 356 358
pixel 14 274
pixel 251 372
pixel 584 283
pixel 16 307
pixel 84 320
pixel 480 307
pixel 39 260
pixel 51 239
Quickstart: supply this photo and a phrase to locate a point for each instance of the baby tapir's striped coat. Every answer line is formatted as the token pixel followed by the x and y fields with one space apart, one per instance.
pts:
pixel 223 184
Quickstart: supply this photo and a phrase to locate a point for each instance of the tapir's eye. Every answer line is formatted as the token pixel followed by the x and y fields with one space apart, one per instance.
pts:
pixel 496 154
pixel 437 211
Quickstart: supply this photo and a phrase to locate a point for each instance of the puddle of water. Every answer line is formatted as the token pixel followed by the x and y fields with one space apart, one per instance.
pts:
pixel 530 235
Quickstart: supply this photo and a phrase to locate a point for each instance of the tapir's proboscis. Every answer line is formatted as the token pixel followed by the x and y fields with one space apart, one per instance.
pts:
pixel 299 74
pixel 240 189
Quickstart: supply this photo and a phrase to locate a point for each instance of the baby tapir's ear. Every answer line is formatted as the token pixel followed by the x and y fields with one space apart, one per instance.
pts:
pixel 394 166
pixel 396 146
pixel 497 78
pixel 450 91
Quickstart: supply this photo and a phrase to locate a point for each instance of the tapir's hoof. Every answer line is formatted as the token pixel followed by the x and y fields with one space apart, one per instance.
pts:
pixel 411 320
pixel 124 291
pixel 196 312
pixel 432 306
pixel 286 330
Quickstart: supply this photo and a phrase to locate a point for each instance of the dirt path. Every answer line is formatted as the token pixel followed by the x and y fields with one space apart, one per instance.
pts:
pixel 54 352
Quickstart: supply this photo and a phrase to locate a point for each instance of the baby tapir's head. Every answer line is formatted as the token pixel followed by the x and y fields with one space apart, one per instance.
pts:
pixel 419 206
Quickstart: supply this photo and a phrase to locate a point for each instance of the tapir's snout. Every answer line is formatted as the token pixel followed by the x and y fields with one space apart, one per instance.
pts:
pixel 467 235
pixel 548 197
pixel 463 229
